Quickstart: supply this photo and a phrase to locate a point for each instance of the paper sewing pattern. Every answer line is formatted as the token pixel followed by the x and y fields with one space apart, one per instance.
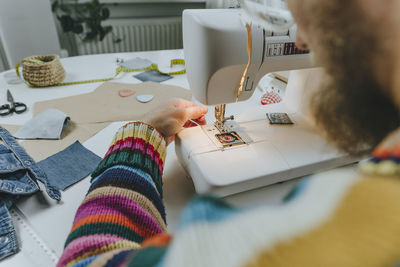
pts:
pixel 41 149
pixel 105 104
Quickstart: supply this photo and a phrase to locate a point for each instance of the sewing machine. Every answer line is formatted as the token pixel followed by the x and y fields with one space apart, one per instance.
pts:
pixel 226 57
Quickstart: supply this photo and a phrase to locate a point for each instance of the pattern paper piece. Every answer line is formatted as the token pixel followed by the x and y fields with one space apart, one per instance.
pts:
pixel 144 98
pixel 105 105
pixel 69 166
pixel 270 98
pixel 126 92
pixel 47 125
pixel 152 76
pixel 136 63
pixel 41 149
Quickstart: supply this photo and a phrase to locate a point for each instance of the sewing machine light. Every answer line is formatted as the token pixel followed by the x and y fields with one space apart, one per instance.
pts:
pixel 272 15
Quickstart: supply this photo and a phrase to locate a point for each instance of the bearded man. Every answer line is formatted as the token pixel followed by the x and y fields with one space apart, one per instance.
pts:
pixel 340 218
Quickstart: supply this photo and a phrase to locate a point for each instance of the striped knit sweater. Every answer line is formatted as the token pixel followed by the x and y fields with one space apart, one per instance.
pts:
pixel 336 219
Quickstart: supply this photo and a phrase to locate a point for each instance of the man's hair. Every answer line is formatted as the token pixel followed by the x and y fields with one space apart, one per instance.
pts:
pixel 352 107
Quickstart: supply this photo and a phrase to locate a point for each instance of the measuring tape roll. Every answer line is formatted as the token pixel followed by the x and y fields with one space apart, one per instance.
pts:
pixel 119 70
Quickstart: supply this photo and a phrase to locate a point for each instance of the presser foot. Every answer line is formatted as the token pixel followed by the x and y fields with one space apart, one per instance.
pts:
pixel 226 135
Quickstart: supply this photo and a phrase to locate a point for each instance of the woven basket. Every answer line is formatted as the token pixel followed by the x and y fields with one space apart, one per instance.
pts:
pixel 42 71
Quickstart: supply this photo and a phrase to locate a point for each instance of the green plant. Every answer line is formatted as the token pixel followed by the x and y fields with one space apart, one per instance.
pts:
pixel 83 18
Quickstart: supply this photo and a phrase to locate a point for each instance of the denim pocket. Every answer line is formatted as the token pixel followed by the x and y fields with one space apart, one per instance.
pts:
pixel 17 183
pixel 9 163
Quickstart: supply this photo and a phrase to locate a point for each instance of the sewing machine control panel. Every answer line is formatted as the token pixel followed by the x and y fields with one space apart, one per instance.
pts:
pixel 282 44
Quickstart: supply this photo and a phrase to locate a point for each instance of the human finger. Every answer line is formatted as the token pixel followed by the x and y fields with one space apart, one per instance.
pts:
pixel 182 103
pixel 191 123
pixel 201 120
pixel 196 112
pixel 195 122
pixel 188 124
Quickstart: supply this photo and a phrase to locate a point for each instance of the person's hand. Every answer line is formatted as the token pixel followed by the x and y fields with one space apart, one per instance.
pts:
pixel 170 118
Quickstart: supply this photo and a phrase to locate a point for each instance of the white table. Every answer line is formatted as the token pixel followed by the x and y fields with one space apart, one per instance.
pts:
pixel 51 221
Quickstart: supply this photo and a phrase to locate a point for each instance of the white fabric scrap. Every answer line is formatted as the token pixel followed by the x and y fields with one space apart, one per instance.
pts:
pixel 137 63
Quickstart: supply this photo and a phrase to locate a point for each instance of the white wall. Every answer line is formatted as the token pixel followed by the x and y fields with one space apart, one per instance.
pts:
pixel 27 28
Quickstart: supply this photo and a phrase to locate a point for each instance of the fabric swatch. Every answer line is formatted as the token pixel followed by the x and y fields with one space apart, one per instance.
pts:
pixel 47 125
pixel 152 76
pixel 69 166
pixel 137 63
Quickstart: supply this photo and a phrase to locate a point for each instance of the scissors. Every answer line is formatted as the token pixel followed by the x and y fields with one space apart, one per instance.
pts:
pixel 16 107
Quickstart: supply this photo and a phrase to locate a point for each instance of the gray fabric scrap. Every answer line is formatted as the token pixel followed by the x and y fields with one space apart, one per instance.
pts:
pixel 152 76
pixel 47 125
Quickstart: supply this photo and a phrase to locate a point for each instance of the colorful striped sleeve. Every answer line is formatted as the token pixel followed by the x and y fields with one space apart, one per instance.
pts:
pixel 124 204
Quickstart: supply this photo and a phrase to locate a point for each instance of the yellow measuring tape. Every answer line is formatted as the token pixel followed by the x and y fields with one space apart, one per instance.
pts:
pixel 119 70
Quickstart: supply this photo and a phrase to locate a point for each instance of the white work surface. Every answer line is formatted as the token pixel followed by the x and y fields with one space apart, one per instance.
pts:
pixel 51 221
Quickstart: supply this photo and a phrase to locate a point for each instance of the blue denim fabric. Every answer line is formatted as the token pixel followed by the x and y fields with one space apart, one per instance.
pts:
pixel 18 175
pixel 19 160
pixel 69 166
pixel 8 239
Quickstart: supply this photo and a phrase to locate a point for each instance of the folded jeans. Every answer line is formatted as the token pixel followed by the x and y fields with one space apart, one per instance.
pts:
pixel 8 240
pixel 18 176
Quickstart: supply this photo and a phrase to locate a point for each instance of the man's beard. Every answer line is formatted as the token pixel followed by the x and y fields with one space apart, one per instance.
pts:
pixel 353 109
pixel 356 116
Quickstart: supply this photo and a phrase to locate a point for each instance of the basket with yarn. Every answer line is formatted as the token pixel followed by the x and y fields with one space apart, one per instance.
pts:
pixel 42 71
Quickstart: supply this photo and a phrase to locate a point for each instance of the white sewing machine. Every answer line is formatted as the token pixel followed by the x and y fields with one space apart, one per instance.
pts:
pixel 225 60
